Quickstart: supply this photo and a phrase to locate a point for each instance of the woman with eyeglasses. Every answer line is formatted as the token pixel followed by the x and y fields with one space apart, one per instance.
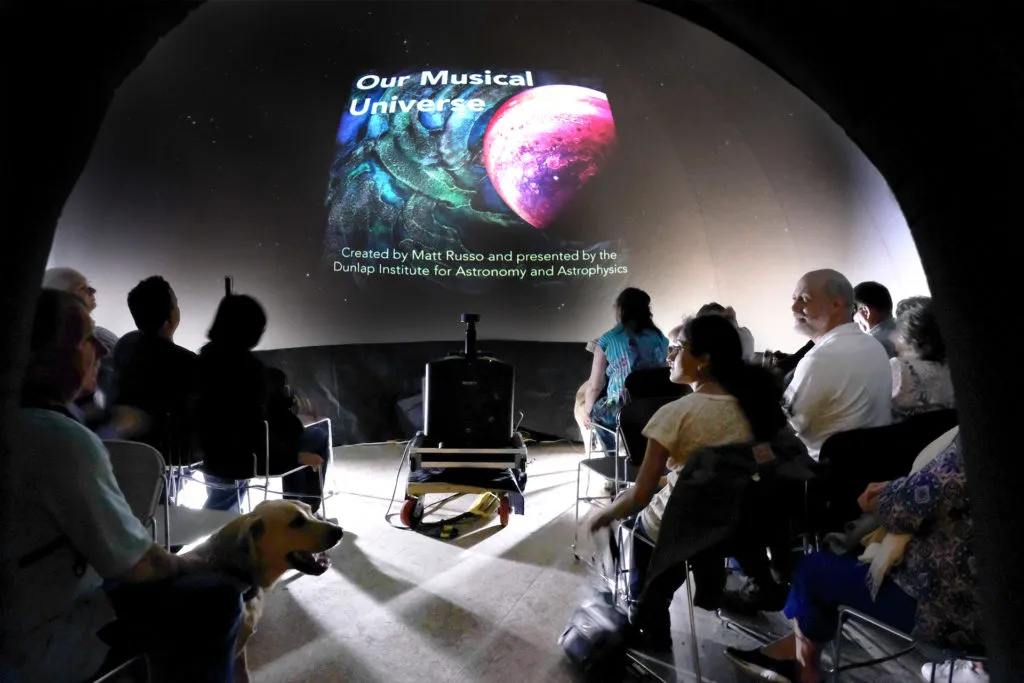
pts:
pixel 732 402
pixel 635 343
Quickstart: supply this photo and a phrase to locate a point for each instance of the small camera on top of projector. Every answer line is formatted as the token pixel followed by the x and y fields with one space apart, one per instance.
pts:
pixel 468 399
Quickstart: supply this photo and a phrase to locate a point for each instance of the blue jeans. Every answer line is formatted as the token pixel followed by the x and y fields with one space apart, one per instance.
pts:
pixel 823 581
pixel 305 485
pixel 186 625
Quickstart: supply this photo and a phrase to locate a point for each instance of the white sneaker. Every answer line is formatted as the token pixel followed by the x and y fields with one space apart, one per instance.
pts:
pixel 962 670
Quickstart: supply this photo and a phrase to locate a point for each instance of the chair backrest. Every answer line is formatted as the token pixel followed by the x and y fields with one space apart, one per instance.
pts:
pixel 853 459
pixel 632 419
pixel 139 470
pixel 888 451
pixel 652 382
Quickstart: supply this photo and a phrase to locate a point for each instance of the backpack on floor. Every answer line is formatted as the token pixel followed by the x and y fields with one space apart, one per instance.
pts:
pixel 595 639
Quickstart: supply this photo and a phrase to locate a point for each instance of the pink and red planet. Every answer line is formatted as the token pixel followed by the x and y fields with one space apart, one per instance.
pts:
pixel 544 144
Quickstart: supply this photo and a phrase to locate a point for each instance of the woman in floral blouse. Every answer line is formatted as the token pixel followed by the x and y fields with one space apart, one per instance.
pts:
pixel 932 594
pixel 920 376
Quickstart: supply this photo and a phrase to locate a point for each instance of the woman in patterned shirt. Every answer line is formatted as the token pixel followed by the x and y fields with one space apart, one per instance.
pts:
pixel 932 594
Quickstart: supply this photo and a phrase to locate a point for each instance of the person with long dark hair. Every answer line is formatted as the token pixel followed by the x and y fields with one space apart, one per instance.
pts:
pixel 635 343
pixel 233 405
pixel 732 402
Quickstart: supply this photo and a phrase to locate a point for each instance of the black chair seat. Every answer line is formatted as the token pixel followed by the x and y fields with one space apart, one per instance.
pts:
pixel 605 466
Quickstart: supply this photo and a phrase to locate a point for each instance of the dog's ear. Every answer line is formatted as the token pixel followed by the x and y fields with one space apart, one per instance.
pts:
pixel 257 529
pixel 246 542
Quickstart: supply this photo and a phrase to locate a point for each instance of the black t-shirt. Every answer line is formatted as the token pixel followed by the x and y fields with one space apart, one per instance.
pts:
pixel 156 376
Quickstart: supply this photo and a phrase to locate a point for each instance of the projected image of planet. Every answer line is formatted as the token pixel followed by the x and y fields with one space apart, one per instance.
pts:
pixel 450 169
pixel 544 144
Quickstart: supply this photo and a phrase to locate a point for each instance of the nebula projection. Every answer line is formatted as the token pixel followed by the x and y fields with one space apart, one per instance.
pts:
pixel 475 166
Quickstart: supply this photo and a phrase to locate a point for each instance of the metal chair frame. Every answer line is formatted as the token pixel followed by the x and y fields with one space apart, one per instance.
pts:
pixel 139 661
pixel 848 613
pixel 188 472
pixel 632 600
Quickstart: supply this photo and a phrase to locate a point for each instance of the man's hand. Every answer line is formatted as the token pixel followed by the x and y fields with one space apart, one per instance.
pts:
pixel 312 460
pixel 868 500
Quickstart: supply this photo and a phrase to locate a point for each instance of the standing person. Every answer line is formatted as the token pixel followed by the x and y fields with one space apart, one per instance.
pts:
pixel 844 381
pixel 232 418
pixel 635 343
pixel 73 558
pixel 874 314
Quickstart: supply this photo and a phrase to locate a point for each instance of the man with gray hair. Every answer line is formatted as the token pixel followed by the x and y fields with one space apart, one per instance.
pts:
pixel 71 281
pixel 844 382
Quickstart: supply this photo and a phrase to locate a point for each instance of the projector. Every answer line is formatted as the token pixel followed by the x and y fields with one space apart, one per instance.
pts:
pixel 468 398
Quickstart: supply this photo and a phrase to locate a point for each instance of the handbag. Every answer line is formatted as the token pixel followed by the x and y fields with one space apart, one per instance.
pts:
pixel 595 638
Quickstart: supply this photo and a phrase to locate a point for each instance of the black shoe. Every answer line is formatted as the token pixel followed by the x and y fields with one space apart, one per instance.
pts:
pixel 755 663
pixel 754 598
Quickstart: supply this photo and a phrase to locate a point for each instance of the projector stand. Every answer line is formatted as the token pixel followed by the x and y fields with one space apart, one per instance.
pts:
pixel 501 471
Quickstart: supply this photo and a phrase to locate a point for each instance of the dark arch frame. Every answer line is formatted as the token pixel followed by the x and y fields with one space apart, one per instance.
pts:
pixel 930 91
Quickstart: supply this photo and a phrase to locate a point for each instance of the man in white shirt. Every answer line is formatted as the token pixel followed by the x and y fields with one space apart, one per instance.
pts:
pixel 844 382
pixel 874 314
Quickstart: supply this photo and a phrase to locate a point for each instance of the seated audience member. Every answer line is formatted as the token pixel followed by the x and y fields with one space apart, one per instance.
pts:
pixel 67 527
pixel 874 314
pixel 844 382
pixel 635 343
pixel 151 372
pixel 287 429
pixel 732 402
pixel 579 405
pixel 746 336
pixel 71 281
pixel 922 580
pixel 920 376
pixel 232 407
pixel 907 303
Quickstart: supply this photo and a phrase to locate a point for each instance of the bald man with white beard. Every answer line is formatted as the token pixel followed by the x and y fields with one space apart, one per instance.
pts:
pixel 844 382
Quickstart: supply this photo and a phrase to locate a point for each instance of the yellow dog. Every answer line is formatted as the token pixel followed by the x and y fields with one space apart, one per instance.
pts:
pixel 259 547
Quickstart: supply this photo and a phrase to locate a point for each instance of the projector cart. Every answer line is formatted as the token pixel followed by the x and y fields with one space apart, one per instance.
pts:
pixel 501 471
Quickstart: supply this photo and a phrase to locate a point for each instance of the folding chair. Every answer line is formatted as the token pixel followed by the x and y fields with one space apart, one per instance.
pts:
pixel 933 653
pixel 622 576
pixel 139 471
pixel 266 476
pixel 621 470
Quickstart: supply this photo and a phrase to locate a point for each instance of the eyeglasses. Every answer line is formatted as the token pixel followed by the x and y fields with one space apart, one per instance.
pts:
pixel 674 348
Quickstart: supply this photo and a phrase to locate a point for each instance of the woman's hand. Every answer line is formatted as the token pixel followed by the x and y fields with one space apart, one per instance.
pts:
pixel 605 518
pixel 586 416
pixel 312 460
pixel 868 500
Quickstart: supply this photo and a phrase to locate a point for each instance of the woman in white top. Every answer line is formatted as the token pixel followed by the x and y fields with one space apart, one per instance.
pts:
pixel 920 376
pixel 732 402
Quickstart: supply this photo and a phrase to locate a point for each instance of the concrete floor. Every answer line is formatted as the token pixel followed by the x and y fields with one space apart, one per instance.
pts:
pixel 486 606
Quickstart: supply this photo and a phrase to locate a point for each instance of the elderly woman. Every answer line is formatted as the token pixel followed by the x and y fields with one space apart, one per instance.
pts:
pixel 920 376
pixel 931 593
pixel 73 558
pixel 635 343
